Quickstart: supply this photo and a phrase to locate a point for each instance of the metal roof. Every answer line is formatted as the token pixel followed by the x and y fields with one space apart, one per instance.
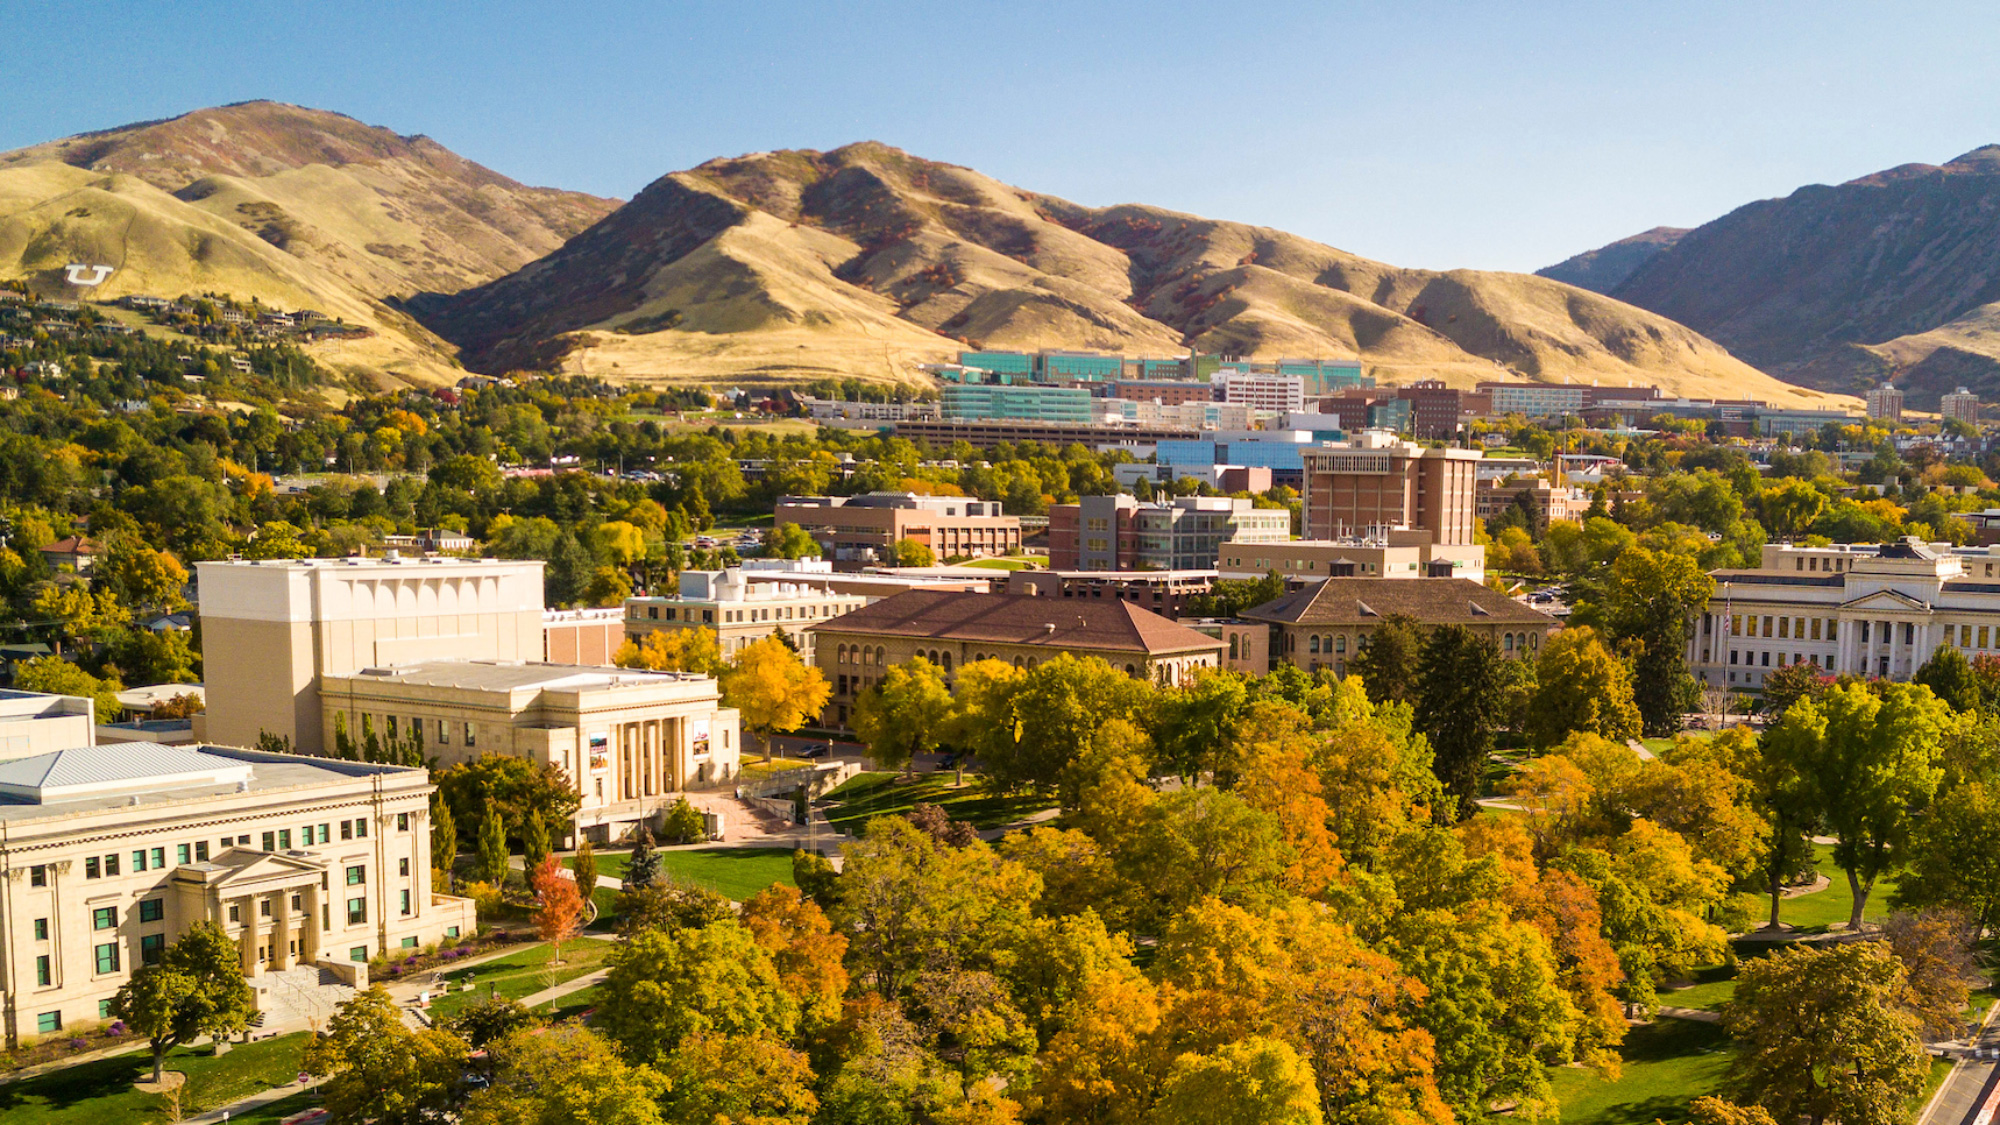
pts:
pixel 85 770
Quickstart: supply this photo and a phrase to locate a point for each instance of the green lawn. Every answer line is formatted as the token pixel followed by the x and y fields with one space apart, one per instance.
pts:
pixel 1668 1064
pixel 734 873
pixel 276 1112
pixel 1000 564
pixel 100 1092
pixel 868 795
pixel 519 973
pixel 1713 987
pixel 1815 912
pixel 571 1006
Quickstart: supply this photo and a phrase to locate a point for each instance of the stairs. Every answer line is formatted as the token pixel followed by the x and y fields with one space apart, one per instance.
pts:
pixel 306 994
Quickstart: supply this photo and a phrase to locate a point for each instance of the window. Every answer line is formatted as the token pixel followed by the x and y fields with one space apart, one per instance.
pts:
pixel 139 860
pixel 406 904
pixel 104 1009
pixel 402 822
pixel 451 931
pixel 357 912
pixel 159 858
pixel 347 830
pixel 38 875
pixel 104 918
pixel 409 943
pixel 264 908
pixel 151 946
pixel 182 853
pixel 444 733
pixel 358 953
pixel 468 735
pixel 270 841
pixel 110 865
pixel 356 876
pixel 107 957
pixel 48 1022
pixel 391 721
pixel 235 912
pixel 361 824
pixel 152 910
pixel 284 839
pixel 43 976
pixel 403 867
pixel 41 929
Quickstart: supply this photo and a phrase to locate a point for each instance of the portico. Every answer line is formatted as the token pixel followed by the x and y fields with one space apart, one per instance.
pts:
pixel 272 904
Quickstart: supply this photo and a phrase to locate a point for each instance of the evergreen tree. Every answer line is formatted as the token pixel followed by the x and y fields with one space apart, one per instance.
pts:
pixel 1950 677
pixel 644 866
pixel 1458 700
pixel 571 567
pixel 492 846
pixel 371 746
pixel 343 743
pixel 586 871
pixel 534 839
pixel 444 833
pixel 1387 664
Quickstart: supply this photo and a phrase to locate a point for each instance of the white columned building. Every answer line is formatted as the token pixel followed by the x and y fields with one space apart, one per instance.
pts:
pixel 1876 610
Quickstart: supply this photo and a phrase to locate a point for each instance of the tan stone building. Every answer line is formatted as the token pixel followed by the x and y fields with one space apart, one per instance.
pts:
pixel 111 852
pixel 952 630
pixel 630 741
pixel 34 723
pixel 854 531
pixel 1391 554
pixel 740 610
pixel 1326 623
pixel 272 628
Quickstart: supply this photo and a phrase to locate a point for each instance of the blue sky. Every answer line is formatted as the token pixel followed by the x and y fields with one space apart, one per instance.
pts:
pixel 1488 135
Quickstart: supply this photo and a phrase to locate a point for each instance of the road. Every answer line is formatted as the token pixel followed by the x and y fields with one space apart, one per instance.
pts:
pixel 1969 1085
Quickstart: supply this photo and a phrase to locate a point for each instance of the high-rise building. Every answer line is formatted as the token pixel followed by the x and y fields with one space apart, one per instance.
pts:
pixel 1960 406
pixel 1285 393
pixel 1377 481
pixel 1885 403
pixel 1118 533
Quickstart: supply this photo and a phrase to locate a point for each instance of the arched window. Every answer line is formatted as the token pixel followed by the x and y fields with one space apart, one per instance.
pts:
pixel 947 662
pixel 1534 640
pixel 1340 643
pixel 1509 642
pixel 840 655
pixel 881 655
pixel 1312 645
pixel 1017 662
pixel 1232 650
pixel 1131 671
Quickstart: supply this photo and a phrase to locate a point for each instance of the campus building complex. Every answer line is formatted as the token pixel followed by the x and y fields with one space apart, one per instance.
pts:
pixel 1324 624
pixel 740 610
pixel 1382 554
pixel 309 865
pixel 855 531
pixel 1120 533
pixel 1377 481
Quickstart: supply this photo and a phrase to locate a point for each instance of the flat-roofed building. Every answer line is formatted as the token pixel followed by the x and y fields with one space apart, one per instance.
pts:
pixel 1960 406
pixel 858 530
pixel 953 630
pixel 1117 533
pixel 1885 403
pixel 311 865
pixel 740 610
pixel 1393 554
pixel 1865 609
pixel 1548 501
pixel 590 635
pixel 34 723
pixel 630 741
pixel 1325 623
pixel 1164 592
pixel 1377 481
pixel 272 628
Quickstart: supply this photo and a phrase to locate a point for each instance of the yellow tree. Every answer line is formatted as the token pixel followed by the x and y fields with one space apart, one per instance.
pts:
pixel 673 650
pixel 1581 686
pixel 773 688
pixel 904 713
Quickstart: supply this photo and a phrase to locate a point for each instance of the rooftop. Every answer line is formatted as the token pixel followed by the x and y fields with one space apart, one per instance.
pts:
pixel 96 778
pixel 509 675
pixel 1055 623
pixel 1366 601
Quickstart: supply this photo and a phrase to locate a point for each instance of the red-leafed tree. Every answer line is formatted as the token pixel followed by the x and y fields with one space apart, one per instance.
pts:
pixel 559 906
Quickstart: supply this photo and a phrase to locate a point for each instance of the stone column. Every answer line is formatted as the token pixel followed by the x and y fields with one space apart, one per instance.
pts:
pixel 281 930
pixel 309 933
pixel 1895 648
pixel 1843 645
pixel 246 908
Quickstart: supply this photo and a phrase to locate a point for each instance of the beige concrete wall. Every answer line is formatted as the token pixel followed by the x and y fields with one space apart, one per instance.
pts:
pixel 259 677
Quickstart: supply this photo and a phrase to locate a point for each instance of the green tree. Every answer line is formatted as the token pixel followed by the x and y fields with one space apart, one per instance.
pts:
pixel 444 833
pixel 197 988
pixel 516 785
pixel 1791 507
pixel 909 552
pixel 1952 860
pixel 585 867
pixel 1580 686
pixel 643 865
pixel 377 1069
pixel 490 1020
pixel 903 714
pixel 790 541
pixel 1458 674
pixel 492 846
pixel 1652 601
pixel 664 986
pixel 1389 663
pixel 730 1078
pixel 568 1075
pixel 1823 1035
pixel 1192 724
pixel 56 676
pixel 141 576
pixel 1870 760
pixel 1037 722
pixel 684 823
pixel 773 688
pixel 534 840
pixel 1950 677
pixel 1786 686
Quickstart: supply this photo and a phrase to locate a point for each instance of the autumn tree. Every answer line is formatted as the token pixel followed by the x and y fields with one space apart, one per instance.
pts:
pixel 773 689
pixel 1785 686
pixel 805 951
pixel 904 713
pixel 673 650
pixel 1869 760
pixel 1581 686
pixel 1824 1035
pixel 909 552
pixel 1254 1080
pixel 558 905
pixel 197 988
pixel 1652 600
pixel 1940 966
pixel 375 1068
pixel 1389 663
pixel 731 1078
pixel 1458 694
pixel 567 1075
pixel 1040 720
pixel 664 986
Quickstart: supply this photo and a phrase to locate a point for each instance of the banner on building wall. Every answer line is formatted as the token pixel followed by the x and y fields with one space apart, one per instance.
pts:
pixel 698 737
pixel 600 751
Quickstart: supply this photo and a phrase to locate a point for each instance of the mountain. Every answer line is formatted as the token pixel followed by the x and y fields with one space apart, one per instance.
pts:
pixel 297 207
pixel 865 261
pixel 1603 269
pixel 1891 276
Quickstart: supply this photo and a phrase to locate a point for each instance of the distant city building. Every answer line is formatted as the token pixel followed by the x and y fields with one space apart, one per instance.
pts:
pixel 977 402
pixel 1390 554
pixel 1325 623
pixel 1796 423
pixel 1885 403
pixel 1137 439
pixel 739 611
pixel 953 630
pixel 1548 501
pixel 590 635
pixel 1542 400
pixel 1119 533
pixel 854 531
pixel 1961 406
pixel 1283 393
pixel 1379 482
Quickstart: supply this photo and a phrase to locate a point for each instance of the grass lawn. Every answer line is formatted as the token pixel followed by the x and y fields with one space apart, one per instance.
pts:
pixel 100 1092
pixel 735 873
pixel 1815 912
pixel 573 1005
pixel 276 1112
pixel 760 769
pixel 1000 564
pixel 520 973
pixel 1713 987
pixel 868 795
pixel 1668 1064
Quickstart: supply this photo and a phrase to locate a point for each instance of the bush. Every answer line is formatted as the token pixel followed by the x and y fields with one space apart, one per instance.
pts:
pixel 684 823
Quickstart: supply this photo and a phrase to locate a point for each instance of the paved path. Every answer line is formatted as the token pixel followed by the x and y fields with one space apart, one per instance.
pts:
pixel 1698 1015
pixel 1970 1083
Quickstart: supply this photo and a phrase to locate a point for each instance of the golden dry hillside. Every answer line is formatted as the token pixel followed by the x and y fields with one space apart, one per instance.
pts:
pixel 865 261
pixel 295 207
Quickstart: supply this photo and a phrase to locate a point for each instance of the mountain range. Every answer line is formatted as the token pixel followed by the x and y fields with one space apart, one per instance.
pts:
pixel 1891 277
